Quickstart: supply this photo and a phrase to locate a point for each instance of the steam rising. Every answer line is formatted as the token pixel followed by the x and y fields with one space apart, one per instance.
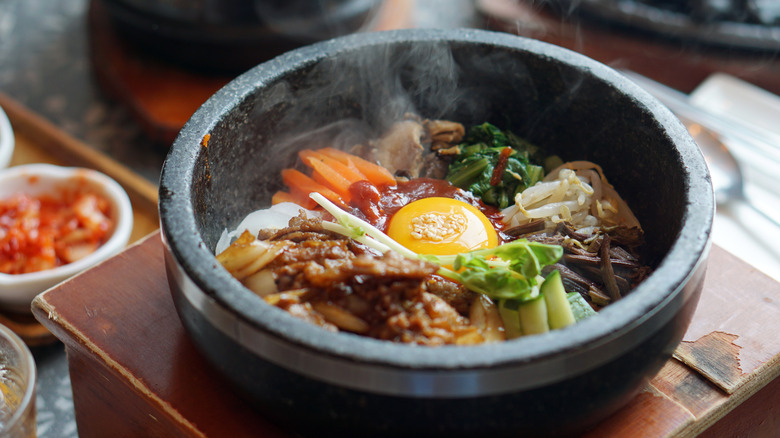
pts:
pixel 347 100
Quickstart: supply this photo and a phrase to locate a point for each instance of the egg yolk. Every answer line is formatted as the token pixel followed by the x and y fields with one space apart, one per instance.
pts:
pixel 442 226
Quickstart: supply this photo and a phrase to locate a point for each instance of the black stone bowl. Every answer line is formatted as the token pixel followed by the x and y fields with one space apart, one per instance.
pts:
pixel 226 162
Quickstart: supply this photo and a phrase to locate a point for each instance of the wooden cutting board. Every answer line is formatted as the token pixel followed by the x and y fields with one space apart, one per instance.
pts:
pixel 135 372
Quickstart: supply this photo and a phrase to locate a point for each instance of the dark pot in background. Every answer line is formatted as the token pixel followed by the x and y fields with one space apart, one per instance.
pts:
pixel 741 26
pixel 230 36
pixel 225 164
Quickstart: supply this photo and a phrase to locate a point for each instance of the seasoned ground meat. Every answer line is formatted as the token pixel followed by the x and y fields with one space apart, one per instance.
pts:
pixel 336 283
pixel 455 294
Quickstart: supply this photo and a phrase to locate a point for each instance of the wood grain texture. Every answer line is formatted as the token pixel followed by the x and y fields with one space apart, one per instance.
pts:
pixel 757 417
pixel 689 389
pixel 127 347
pixel 716 356
pixel 650 414
pixel 741 326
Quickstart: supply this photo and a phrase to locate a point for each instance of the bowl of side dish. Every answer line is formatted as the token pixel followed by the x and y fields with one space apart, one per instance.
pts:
pixel 230 159
pixel 57 222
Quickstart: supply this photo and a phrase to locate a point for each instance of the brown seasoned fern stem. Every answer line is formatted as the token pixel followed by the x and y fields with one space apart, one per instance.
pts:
pixel 607 273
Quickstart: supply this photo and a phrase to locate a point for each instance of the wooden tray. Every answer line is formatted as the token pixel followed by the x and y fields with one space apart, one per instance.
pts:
pixel 135 372
pixel 39 141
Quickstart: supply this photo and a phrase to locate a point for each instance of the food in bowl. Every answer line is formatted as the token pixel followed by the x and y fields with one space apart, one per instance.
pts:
pixel 308 379
pixel 55 222
pixel 49 230
pixel 427 259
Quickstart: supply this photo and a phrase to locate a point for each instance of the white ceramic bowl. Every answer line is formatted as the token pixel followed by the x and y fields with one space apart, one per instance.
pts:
pixel 6 140
pixel 18 291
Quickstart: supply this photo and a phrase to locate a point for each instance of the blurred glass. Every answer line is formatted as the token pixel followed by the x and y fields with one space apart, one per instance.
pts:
pixel 17 387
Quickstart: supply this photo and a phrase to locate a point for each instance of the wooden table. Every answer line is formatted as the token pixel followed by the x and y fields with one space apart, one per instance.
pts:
pixel 135 372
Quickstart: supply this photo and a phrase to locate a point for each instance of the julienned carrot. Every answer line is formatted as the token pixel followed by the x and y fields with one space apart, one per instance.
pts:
pixel 376 174
pixel 303 200
pixel 352 173
pixel 331 173
pixel 302 184
pixel 346 161
pixel 321 179
pixel 329 177
pixel 349 164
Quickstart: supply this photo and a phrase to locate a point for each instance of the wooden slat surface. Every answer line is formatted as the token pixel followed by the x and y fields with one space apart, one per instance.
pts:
pixel 737 345
pixel 127 331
